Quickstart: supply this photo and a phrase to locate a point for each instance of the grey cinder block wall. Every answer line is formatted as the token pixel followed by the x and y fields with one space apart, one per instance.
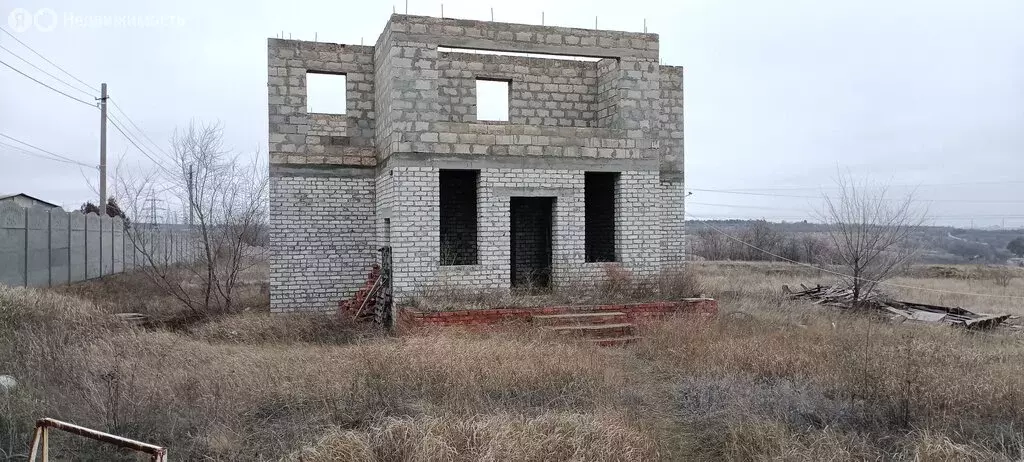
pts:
pixel 44 247
pixel 343 185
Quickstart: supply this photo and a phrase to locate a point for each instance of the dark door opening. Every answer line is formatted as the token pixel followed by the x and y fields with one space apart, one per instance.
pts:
pixel 531 241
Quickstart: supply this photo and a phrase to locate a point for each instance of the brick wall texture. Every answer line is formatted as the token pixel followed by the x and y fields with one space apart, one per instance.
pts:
pixel 322 240
pixel 344 185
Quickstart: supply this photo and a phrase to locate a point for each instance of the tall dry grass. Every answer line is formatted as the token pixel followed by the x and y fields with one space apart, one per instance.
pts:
pixel 208 396
pixel 782 381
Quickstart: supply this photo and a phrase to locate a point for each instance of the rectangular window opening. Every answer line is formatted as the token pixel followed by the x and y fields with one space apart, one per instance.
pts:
pixel 458 194
pixel 599 211
pixel 492 99
pixel 325 93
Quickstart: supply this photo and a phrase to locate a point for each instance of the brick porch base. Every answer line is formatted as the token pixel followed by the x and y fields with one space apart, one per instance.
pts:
pixel 635 313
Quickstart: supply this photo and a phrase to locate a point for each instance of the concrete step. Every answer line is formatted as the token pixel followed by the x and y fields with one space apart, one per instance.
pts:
pixel 601 317
pixel 614 341
pixel 594 330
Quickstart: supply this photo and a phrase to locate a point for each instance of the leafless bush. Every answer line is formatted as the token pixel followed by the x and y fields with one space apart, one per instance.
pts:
pixel 226 201
pixel 870 234
pixel 680 283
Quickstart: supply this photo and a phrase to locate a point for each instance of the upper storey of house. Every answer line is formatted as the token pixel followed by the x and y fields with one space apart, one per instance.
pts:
pixel 422 90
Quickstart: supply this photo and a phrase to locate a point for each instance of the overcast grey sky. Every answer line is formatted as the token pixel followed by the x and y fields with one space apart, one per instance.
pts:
pixel 779 95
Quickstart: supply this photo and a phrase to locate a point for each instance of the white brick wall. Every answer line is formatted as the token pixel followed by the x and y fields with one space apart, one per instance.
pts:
pixel 322 240
pixel 672 211
pixel 416 241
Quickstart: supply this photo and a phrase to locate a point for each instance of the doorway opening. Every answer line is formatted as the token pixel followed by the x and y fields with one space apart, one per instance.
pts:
pixel 530 237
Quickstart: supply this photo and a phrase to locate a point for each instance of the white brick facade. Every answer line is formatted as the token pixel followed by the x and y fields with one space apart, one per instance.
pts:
pixel 416 242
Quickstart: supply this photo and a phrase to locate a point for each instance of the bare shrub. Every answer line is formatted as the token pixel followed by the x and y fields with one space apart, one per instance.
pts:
pixel 1001 276
pixel 870 233
pixel 680 283
pixel 226 199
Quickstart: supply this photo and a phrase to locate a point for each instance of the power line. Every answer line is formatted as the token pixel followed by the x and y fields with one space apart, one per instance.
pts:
pixel 136 141
pixel 43 70
pixel 41 156
pixel 53 154
pixel 810 213
pixel 743 206
pixel 965 201
pixel 890 284
pixel 819 188
pixel 722 191
pixel 47 86
pixel 48 61
pixel 143 151
pixel 143 133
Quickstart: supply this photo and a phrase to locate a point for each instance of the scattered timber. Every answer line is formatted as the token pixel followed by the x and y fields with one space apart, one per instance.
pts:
pixel 843 298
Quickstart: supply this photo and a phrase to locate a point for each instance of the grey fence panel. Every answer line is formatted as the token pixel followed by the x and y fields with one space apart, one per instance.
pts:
pixel 93 243
pixel 76 247
pixel 107 245
pixel 13 236
pixel 60 240
pixel 43 247
pixel 140 258
pixel 38 247
pixel 117 244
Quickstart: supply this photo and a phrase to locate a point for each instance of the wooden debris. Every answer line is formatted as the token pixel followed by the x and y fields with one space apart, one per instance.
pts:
pixel 843 298
pixel 136 319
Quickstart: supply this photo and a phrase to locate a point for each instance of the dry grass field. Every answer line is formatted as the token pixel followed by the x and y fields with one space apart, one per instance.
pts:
pixel 769 379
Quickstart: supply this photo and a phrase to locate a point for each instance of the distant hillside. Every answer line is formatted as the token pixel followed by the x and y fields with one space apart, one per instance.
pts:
pixel 939 244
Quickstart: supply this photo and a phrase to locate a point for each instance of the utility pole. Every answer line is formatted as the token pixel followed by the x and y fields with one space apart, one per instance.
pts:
pixel 103 149
pixel 191 204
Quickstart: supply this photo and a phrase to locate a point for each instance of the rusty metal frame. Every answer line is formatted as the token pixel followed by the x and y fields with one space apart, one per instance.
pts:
pixel 40 440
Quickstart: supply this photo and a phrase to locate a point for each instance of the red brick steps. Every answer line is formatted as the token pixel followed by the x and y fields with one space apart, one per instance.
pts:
pixel 606 325
pixel 604 317
pixel 594 330
pixel 607 328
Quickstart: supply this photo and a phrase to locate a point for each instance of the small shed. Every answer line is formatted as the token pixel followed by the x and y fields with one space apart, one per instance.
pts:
pixel 24 200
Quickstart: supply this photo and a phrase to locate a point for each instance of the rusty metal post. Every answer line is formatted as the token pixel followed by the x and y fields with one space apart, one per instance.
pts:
pixel 36 436
pixel 46 444
pixel 41 437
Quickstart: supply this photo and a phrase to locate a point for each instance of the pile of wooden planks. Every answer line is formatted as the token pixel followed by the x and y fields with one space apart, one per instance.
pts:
pixel 829 295
pixel 843 298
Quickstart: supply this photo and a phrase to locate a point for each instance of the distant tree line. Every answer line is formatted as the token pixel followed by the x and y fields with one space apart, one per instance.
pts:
pixel 814 246
pixel 764 241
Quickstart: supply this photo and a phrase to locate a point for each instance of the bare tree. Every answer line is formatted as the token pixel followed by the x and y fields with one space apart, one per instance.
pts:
pixel 870 233
pixel 225 198
pixel 761 237
pixel 710 244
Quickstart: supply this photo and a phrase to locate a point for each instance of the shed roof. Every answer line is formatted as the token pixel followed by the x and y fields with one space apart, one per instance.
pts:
pixel 13 195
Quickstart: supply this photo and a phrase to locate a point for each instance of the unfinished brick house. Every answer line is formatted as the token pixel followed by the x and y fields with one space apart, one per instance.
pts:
pixel 583 170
